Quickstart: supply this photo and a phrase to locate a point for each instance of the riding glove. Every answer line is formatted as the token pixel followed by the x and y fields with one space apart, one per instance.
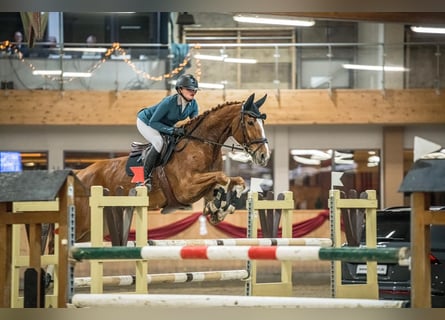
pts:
pixel 179 132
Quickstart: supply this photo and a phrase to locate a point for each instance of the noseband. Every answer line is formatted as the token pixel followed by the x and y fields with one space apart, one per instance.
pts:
pixel 247 143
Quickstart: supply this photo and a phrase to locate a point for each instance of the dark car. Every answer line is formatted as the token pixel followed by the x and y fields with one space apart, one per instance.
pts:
pixel 393 230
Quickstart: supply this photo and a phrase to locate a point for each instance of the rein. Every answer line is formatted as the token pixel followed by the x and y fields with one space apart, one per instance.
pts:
pixel 243 147
pixel 232 147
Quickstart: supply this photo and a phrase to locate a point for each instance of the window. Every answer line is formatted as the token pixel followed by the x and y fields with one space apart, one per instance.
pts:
pixel 82 159
pixel 310 174
pixel 257 178
pixel 37 160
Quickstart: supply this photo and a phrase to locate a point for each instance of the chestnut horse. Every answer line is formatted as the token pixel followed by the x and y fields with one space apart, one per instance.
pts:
pixel 194 170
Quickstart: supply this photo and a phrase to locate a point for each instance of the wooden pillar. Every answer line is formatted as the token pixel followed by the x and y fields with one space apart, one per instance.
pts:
pixel 424 178
pixel 392 161
pixel 420 249
pixel 5 260
pixel 34 298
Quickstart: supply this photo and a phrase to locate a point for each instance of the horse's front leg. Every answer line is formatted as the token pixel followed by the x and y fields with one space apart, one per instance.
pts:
pixel 219 191
pixel 223 198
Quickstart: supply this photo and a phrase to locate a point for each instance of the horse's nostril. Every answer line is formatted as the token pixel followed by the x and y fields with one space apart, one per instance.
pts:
pixel 264 158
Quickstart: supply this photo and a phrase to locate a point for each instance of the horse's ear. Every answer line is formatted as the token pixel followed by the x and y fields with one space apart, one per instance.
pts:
pixel 248 103
pixel 261 101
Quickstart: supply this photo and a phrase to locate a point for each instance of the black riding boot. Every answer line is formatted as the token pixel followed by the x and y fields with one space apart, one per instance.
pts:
pixel 151 158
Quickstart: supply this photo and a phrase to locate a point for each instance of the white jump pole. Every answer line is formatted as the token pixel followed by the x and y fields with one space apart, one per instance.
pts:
pixel 322 242
pixel 214 301
pixel 178 277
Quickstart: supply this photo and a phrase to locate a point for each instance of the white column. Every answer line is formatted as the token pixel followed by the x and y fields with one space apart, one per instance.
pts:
pixel 385 49
pixel 371 54
pixel 394 54
pixel 281 160
pixel 55 158
pixel 54 25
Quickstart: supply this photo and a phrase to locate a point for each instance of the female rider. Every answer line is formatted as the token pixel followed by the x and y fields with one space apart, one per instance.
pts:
pixel 162 118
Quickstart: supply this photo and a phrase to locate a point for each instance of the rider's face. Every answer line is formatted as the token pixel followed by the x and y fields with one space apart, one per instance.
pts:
pixel 189 94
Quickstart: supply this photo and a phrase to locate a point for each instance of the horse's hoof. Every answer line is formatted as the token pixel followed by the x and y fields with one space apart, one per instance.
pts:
pixel 214 219
pixel 48 280
pixel 148 185
pixel 218 216
pixel 144 184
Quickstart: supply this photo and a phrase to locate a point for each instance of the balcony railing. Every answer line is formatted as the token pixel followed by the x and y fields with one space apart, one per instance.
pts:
pixel 223 66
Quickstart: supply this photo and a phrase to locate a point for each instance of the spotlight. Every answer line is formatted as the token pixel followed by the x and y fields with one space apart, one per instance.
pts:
pixel 428 30
pixel 274 20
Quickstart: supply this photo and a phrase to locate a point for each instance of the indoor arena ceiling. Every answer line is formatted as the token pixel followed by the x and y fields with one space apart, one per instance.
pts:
pixel 396 17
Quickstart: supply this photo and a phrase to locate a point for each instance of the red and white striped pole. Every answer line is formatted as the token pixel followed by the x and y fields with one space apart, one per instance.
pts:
pixel 322 242
pixel 295 253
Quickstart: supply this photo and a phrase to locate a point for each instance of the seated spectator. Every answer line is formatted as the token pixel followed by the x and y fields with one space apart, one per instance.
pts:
pixel 91 40
pixel 19 45
pixel 53 50
pixel 90 43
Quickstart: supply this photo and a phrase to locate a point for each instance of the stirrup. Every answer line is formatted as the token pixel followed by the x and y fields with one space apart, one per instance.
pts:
pixel 147 183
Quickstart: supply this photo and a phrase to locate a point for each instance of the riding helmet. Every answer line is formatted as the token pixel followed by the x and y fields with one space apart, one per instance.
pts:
pixel 187 81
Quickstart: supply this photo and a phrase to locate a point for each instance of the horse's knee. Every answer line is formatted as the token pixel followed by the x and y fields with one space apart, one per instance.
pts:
pixel 222 179
pixel 237 181
pixel 238 190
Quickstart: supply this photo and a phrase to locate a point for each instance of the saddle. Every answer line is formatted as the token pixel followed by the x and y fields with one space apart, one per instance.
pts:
pixel 138 150
pixel 136 159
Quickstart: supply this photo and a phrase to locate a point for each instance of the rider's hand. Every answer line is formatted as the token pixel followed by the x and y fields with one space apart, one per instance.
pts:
pixel 179 132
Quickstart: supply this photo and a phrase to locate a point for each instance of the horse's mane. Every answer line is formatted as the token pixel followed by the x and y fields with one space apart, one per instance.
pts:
pixel 207 112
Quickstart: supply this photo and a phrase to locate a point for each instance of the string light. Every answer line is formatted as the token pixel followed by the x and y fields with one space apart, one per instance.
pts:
pixel 114 49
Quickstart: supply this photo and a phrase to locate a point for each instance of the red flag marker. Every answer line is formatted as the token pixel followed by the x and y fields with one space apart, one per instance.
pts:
pixel 138 174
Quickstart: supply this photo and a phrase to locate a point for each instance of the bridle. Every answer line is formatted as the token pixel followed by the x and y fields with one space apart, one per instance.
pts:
pixel 245 146
pixel 247 143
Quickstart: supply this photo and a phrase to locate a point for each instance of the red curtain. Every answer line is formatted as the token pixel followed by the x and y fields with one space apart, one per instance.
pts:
pixel 299 229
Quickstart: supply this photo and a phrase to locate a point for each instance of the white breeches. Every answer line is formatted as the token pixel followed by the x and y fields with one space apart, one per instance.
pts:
pixel 151 135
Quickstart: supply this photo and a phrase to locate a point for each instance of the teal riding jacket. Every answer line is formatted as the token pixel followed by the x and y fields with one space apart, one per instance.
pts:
pixel 164 115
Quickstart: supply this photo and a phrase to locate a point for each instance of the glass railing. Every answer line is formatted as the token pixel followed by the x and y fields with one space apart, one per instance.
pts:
pixel 224 66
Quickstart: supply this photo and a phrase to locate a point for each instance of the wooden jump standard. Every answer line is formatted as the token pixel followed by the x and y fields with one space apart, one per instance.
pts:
pixel 270 214
pixel 363 208
pixel 35 199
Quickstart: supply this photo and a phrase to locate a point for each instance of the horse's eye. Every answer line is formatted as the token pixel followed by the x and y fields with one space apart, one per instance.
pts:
pixel 250 122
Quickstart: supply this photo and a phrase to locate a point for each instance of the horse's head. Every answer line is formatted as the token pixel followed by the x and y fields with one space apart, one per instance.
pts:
pixel 252 136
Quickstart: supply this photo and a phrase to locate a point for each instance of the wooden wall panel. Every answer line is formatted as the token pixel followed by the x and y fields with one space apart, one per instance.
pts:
pixel 291 107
